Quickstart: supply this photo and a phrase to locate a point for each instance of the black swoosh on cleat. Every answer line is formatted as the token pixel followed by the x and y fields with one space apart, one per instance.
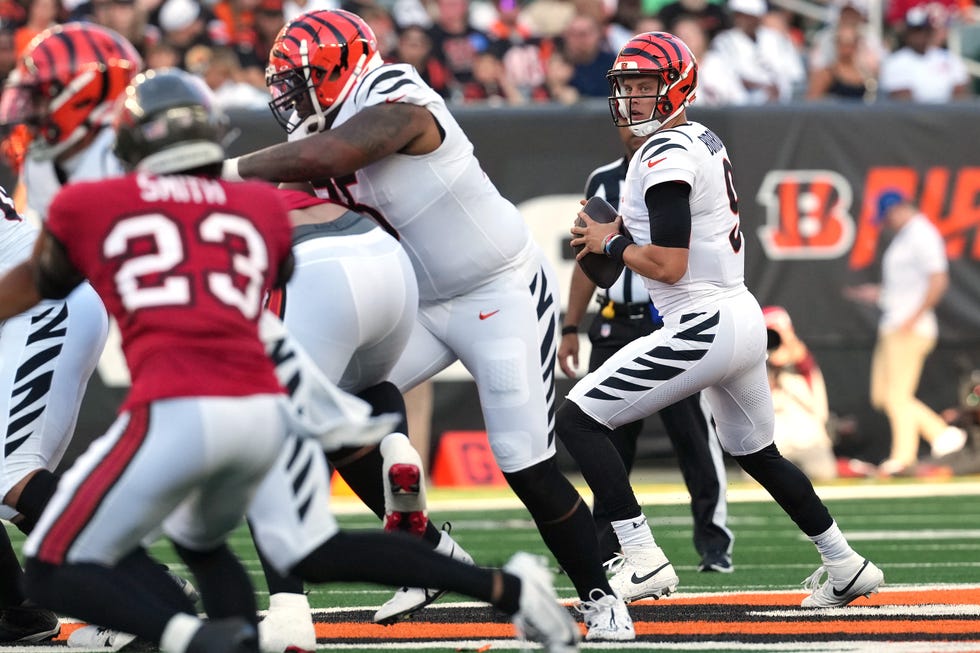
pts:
pixel 639 579
pixel 847 587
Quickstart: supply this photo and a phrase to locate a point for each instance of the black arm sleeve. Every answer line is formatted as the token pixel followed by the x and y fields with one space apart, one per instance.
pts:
pixel 669 207
pixel 55 275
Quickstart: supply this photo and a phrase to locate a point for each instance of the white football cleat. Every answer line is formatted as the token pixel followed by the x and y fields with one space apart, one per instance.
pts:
pixel 644 574
pixel 606 617
pixel 409 600
pixel 404 486
pixel 97 637
pixel 540 617
pixel 288 625
pixel 844 583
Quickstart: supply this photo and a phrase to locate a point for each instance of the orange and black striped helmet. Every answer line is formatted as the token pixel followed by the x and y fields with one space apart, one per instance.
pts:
pixel 314 64
pixel 668 60
pixel 66 83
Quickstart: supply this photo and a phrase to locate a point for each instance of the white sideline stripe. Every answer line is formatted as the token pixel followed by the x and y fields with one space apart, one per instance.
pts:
pixel 881 611
pixel 674 494
pixel 884 589
pixel 705 645
pixel 934 534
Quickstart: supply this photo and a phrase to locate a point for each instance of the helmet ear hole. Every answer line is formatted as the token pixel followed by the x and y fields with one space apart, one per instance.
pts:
pixel 673 75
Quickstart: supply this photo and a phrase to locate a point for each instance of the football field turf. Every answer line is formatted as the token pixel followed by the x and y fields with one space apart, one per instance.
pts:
pixel 924 536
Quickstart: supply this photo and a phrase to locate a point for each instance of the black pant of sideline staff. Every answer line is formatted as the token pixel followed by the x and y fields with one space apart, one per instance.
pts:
pixel 698 451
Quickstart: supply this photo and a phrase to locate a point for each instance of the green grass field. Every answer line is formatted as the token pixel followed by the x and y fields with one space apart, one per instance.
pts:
pixel 919 534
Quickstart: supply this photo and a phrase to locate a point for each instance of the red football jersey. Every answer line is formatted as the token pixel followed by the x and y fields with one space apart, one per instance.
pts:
pixel 183 263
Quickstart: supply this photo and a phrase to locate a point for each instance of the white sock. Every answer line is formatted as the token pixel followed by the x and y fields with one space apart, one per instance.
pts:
pixel 832 546
pixel 179 632
pixel 288 601
pixel 634 534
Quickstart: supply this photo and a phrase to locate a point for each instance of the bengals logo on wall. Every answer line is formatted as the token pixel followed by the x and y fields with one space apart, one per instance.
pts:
pixel 807 214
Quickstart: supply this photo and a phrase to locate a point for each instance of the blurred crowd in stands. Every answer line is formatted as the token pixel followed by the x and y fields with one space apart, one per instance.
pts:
pixel 512 52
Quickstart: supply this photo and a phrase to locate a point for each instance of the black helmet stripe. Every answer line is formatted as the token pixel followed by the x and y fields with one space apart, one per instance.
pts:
pixel 338 37
pixel 637 52
pixel 346 16
pixel 102 58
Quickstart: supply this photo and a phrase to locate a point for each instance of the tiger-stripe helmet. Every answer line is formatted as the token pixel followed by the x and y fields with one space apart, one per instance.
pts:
pixel 655 54
pixel 314 63
pixel 66 83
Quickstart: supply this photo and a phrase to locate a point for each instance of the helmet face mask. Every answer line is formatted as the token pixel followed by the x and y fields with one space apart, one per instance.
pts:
pixel 65 85
pixel 314 63
pixel 653 78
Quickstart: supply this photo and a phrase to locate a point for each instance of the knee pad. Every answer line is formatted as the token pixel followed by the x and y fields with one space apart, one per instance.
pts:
pixel 544 490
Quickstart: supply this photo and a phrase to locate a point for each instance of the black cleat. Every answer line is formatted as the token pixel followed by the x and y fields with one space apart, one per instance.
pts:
pixel 27 624
pixel 233 635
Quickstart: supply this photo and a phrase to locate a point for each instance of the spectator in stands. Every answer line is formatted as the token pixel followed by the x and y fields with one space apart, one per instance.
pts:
pixel 490 84
pixel 415 48
pixel 129 19
pixel 582 46
pixel 522 53
pixel 455 41
pixel 764 59
pixel 558 78
pixel 847 13
pixel 237 22
pixel 718 84
pixel 41 14
pixel 269 20
pixel 921 71
pixel 184 25
pixel 548 18
pixel 162 55
pixel 219 67
pixel 710 16
pixel 383 26
pixel 845 78
pixel 799 397
pixel 8 51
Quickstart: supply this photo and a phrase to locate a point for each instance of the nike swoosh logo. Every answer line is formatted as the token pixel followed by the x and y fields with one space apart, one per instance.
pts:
pixel 650 164
pixel 484 316
pixel 391 100
pixel 639 579
pixel 848 587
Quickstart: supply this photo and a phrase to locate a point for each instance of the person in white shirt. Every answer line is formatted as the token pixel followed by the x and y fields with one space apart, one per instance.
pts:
pixel 914 278
pixel 922 71
pixel 765 59
pixel 718 83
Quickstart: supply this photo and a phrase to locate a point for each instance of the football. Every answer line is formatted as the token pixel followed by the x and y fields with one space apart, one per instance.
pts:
pixel 599 268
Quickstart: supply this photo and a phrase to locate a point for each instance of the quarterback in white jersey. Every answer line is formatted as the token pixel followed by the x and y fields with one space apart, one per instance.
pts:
pixel 376 138
pixel 681 212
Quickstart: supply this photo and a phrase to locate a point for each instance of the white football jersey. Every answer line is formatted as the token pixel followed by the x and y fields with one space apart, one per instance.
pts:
pixel 693 154
pixel 16 234
pixel 457 229
pixel 97 161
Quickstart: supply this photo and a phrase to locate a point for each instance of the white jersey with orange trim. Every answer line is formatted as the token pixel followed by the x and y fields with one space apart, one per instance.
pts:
pixel 457 229
pixel 690 153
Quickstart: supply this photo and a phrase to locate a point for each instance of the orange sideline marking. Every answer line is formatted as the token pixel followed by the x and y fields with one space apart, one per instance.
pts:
pixel 911 597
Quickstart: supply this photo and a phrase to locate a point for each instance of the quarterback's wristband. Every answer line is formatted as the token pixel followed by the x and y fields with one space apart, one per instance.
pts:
pixel 569 329
pixel 607 241
pixel 229 170
pixel 616 247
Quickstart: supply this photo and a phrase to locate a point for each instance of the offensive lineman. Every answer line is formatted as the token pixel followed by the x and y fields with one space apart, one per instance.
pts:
pixel 680 208
pixel 377 138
